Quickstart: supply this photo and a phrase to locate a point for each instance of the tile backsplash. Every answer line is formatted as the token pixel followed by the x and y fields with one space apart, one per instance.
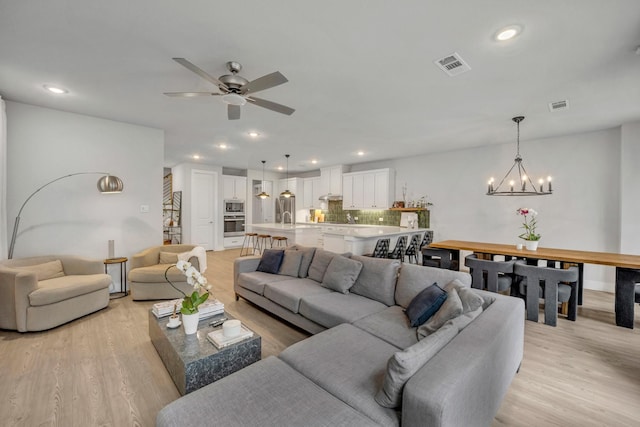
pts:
pixel 335 213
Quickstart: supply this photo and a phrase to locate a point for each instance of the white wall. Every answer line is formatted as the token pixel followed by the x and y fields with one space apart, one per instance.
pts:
pixel 583 213
pixel 629 180
pixel 71 216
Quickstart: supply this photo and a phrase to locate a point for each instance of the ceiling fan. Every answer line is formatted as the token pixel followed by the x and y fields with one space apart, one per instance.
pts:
pixel 235 89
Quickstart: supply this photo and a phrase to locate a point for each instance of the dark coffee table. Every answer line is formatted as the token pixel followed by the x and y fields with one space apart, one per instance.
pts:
pixel 192 360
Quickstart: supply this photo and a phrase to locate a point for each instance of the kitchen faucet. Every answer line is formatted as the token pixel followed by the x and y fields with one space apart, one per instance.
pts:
pixel 282 219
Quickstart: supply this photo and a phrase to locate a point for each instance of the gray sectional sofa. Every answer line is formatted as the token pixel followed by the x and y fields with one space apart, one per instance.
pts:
pixel 365 365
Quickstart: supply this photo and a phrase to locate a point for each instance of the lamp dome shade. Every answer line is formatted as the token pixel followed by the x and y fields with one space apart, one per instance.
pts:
pixel 110 184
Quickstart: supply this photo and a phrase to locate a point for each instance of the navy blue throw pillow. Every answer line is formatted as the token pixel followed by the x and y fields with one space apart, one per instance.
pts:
pixel 425 304
pixel 271 260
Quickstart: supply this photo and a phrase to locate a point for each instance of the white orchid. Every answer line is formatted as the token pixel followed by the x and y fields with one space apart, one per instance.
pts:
pixel 197 280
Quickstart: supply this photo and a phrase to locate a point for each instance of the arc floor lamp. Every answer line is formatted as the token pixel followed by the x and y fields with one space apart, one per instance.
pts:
pixel 107 184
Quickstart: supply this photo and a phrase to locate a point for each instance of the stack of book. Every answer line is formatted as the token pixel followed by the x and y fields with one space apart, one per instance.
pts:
pixel 207 309
pixel 218 339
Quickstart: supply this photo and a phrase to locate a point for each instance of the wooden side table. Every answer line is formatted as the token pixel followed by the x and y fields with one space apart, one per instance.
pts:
pixel 123 275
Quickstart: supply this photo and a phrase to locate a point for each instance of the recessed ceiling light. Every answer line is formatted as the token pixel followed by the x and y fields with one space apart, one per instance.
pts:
pixel 253 134
pixel 360 153
pixel 280 168
pixel 195 156
pixel 508 33
pixel 223 146
pixel 314 161
pixel 55 89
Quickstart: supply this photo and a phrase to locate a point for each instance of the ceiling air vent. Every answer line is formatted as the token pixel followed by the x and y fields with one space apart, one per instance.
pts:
pixel 559 105
pixel 453 64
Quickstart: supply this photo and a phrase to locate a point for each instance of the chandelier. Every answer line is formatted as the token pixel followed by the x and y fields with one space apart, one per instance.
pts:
pixel 517 182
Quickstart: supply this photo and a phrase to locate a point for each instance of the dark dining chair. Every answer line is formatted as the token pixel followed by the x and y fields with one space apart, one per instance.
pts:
pixel 555 285
pixel 495 276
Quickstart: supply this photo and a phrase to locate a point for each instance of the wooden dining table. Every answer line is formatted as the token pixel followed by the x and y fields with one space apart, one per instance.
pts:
pixel 627 268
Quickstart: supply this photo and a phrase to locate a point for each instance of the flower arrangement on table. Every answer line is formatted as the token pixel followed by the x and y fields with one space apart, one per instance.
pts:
pixel 197 280
pixel 529 224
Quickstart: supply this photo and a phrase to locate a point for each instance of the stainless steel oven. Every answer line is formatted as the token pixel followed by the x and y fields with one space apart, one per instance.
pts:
pixel 233 207
pixel 233 225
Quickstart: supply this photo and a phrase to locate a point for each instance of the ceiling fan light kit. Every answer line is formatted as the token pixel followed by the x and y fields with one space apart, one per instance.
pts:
pixel 516 181
pixel 235 90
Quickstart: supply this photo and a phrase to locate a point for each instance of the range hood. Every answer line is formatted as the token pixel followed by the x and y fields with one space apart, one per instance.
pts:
pixel 330 197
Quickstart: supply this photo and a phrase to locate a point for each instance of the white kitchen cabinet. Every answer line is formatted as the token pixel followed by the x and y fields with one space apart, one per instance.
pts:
pixel 233 242
pixel 368 189
pixel 234 187
pixel 312 193
pixel 331 180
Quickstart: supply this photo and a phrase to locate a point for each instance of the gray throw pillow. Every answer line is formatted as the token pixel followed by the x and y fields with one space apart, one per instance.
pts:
pixel 403 364
pixel 319 264
pixel 270 261
pixel 307 257
pixel 290 263
pixel 451 309
pixel 341 274
pixel 425 304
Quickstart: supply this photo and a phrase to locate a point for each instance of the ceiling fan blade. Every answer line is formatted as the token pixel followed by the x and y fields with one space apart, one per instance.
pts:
pixel 264 82
pixel 233 112
pixel 279 108
pixel 190 94
pixel 188 65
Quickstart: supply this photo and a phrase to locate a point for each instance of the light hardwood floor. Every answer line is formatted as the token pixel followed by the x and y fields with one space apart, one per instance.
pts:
pixel 102 370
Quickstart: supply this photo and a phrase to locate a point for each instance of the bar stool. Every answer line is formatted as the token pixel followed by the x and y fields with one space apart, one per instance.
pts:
pixel 560 285
pixel 412 249
pixel 249 242
pixel 381 250
pixel 262 241
pixel 279 241
pixel 398 251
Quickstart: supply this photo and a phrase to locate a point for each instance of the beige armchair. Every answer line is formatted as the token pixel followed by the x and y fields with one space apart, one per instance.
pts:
pixel 43 292
pixel 146 276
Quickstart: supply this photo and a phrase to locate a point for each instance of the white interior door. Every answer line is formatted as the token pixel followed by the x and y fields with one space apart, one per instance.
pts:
pixel 204 185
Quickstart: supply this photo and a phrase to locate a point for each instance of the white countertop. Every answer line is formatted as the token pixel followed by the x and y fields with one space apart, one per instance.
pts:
pixel 362 231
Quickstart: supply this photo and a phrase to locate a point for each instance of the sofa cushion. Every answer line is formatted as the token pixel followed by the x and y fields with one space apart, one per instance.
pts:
pixel 341 274
pixel 469 298
pixel 51 291
pixel 414 278
pixel 425 304
pixel 167 257
pixel 46 270
pixel 267 393
pixel 319 264
pixel 288 293
pixel 377 280
pixel 270 261
pixel 391 325
pixel 334 308
pixel 155 274
pixel 403 364
pixel 451 309
pixel 348 363
pixel 307 257
pixel 290 263
pixel 255 280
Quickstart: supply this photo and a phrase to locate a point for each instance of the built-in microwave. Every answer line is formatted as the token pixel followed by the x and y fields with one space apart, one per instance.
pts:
pixel 233 207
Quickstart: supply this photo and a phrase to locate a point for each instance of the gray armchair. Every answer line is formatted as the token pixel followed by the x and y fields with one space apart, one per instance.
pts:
pixel 43 292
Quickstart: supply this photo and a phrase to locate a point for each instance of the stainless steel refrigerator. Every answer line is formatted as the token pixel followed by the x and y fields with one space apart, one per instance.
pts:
pixel 286 206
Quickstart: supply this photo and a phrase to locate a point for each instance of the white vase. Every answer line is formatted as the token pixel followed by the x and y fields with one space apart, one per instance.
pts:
pixel 190 323
pixel 531 245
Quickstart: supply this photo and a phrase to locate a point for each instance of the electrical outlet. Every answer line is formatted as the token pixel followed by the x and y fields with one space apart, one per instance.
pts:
pixel 381 219
pixel 144 208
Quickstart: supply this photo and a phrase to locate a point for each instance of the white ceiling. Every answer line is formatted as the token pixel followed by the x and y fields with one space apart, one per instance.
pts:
pixel 361 73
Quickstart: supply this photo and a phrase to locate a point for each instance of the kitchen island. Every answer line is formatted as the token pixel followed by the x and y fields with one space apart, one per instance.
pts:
pixel 355 238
